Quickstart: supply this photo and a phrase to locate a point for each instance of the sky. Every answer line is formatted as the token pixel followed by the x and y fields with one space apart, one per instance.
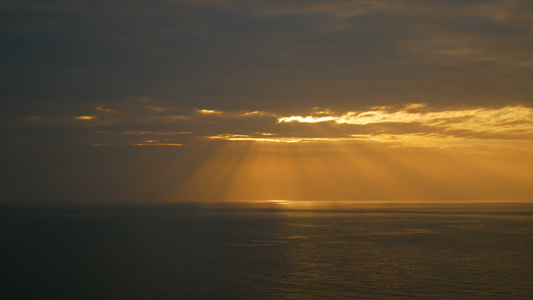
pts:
pixel 164 101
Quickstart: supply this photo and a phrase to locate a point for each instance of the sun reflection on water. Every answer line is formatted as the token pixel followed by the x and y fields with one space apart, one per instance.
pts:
pixel 278 201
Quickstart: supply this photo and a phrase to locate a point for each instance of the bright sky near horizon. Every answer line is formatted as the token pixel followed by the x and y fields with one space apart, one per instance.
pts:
pixel 178 100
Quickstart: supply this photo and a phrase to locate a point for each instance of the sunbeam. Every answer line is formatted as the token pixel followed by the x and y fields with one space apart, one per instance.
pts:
pixel 321 171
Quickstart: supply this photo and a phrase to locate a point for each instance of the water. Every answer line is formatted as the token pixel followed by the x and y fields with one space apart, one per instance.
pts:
pixel 187 251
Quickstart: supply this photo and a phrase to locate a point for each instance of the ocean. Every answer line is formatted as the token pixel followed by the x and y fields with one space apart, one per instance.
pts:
pixel 267 251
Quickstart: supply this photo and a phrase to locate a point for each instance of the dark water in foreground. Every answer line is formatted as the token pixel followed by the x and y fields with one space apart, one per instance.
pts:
pixel 477 251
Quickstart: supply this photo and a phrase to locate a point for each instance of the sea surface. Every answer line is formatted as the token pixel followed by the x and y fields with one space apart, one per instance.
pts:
pixel 267 251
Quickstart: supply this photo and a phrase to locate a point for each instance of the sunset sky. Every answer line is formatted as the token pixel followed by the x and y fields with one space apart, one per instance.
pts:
pixel 201 100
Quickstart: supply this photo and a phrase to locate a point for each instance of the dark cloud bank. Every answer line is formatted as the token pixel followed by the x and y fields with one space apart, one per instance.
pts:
pixel 60 56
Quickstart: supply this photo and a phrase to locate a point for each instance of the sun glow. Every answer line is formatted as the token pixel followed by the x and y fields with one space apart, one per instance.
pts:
pixel 306 119
pixel 511 119
pixel 84 118
pixel 309 172
pixel 209 112
pixel 278 201
pixel 249 138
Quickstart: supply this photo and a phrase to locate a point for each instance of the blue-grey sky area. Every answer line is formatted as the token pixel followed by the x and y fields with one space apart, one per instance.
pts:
pixel 86 84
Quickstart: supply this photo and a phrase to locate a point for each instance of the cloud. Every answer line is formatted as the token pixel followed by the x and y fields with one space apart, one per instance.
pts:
pixel 84 118
pixel 497 123
pixel 411 124
pixel 268 56
pixel 241 67
pixel 260 138
pixel 208 111
pixel 306 119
